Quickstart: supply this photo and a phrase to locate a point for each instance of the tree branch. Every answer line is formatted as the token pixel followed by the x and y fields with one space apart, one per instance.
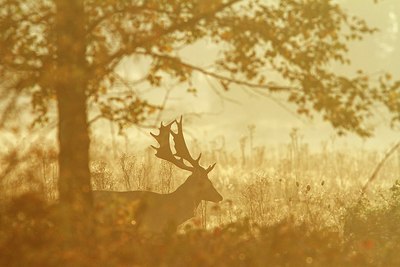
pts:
pixel 215 75
pixel 114 59
pixel 378 168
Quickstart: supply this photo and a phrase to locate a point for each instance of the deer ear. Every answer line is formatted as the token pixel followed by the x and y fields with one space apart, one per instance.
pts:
pixel 210 168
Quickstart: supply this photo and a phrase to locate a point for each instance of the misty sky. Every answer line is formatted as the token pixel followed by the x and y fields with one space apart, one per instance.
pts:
pixel 275 118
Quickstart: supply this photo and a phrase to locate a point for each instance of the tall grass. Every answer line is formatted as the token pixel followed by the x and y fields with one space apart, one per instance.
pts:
pixel 283 206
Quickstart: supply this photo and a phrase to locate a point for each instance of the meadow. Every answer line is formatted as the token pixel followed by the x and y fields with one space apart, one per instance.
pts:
pixel 283 206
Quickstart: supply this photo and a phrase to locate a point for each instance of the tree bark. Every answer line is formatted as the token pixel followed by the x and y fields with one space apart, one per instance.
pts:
pixel 72 80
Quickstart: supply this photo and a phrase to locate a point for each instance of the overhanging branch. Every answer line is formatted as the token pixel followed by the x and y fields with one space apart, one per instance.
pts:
pixel 216 75
pixel 115 58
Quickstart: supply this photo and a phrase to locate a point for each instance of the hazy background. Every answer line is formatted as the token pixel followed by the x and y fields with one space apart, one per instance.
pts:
pixel 274 118
pixel 212 114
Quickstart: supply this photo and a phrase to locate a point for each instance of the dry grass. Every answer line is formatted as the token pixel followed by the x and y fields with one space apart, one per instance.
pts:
pixel 284 206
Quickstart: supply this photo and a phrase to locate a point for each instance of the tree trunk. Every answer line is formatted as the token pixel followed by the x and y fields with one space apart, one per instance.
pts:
pixel 72 79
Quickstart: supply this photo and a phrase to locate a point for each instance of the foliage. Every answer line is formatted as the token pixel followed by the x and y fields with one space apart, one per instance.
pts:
pixel 295 40
pixel 30 237
pixel 374 224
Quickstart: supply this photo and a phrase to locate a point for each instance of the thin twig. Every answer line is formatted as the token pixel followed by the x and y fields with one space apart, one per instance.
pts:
pixel 378 168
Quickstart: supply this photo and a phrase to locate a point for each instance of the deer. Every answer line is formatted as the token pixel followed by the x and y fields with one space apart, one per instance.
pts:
pixel 156 212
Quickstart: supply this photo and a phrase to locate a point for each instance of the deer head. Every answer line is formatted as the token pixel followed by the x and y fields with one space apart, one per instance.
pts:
pixel 198 183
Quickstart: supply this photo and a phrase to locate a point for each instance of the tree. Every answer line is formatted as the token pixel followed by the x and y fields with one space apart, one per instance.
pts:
pixel 68 51
pixel 70 89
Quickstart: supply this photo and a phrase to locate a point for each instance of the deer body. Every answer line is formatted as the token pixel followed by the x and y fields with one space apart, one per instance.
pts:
pixel 153 211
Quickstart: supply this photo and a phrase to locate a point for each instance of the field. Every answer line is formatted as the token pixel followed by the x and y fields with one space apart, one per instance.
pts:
pixel 283 206
pixel 256 80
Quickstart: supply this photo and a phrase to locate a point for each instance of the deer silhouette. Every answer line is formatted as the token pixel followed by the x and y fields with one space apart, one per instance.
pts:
pixel 156 212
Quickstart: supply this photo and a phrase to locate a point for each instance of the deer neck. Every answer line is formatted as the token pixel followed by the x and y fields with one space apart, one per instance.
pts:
pixel 187 196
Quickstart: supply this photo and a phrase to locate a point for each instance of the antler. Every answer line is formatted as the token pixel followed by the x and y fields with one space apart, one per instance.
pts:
pixel 181 148
pixel 182 152
pixel 164 151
